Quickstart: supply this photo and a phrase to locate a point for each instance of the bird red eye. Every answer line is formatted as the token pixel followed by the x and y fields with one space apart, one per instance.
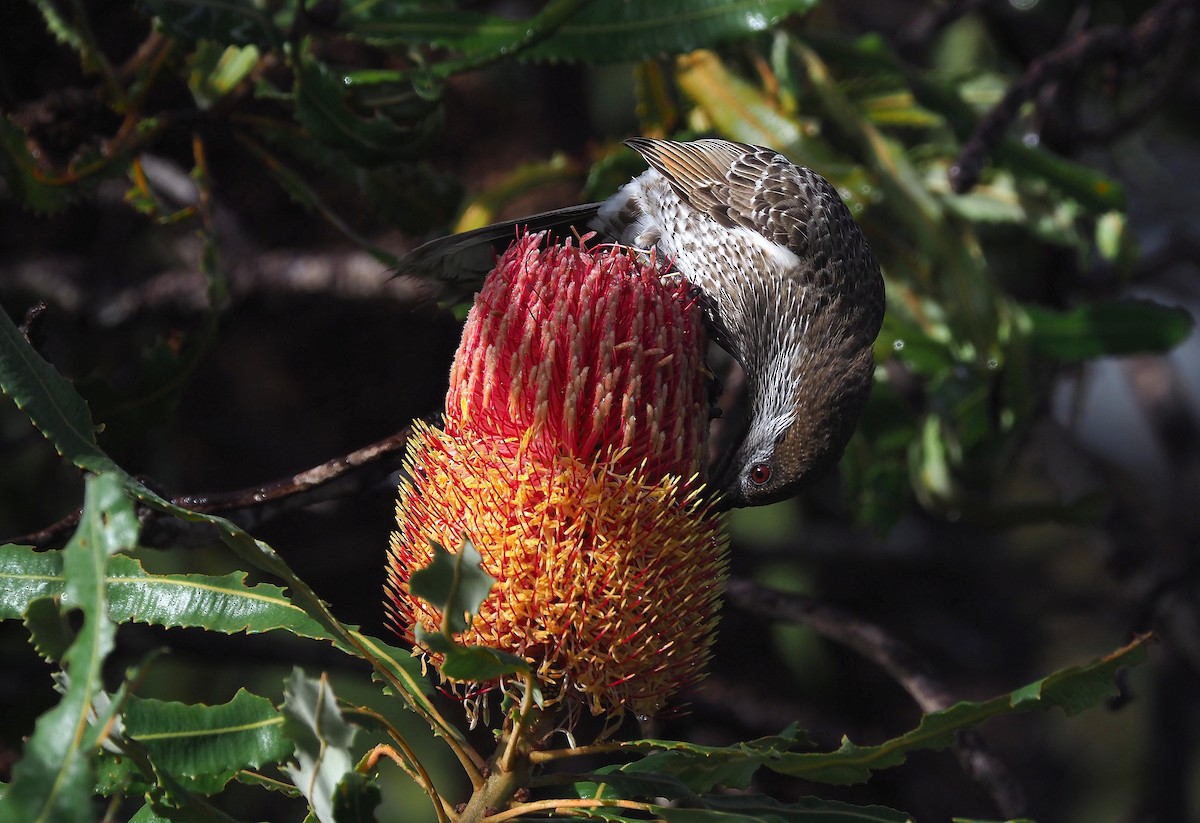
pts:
pixel 760 473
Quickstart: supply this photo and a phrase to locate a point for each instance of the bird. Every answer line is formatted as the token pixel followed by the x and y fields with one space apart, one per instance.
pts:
pixel 788 284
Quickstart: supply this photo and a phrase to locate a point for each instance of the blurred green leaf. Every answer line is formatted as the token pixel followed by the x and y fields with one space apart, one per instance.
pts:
pixel 216 70
pixel 356 799
pixel 482 209
pixel 368 137
pixel 63 31
pixel 746 808
pixel 599 31
pixel 1105 329
pixel 21 173
pixel 229 22
pixel 324 766
pixel 740 110
pixel 53 780
pixel 1115 240
pixel 871 54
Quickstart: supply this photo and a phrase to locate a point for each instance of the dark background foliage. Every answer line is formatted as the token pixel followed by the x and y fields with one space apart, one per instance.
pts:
pixel 1022 495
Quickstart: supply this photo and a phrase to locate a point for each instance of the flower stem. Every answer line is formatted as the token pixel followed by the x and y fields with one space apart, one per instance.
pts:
pixel 511 767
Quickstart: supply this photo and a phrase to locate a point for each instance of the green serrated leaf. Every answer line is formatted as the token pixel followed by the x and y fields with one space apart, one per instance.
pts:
pixel 49 400
pixel 49 631
pixel 702 768
pixel 216 603
pixel 602 31
pixel 760 809
pixel 1105 329
pixel 1073 689
pixel 203 746
pixel 52 783
pixel 455 583
pixel 322 737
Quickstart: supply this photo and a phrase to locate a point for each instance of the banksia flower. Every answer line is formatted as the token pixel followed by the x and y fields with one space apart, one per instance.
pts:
pixel 573 455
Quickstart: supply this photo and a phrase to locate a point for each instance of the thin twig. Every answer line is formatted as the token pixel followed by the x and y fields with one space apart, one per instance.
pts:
pixel 310 486
pixel 1133 47
pixel 520 723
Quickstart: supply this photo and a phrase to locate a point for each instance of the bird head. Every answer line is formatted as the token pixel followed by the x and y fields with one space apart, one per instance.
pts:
pixel 790 444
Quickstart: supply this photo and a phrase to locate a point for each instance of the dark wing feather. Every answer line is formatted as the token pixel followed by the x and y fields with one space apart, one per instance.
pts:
pixel 460 262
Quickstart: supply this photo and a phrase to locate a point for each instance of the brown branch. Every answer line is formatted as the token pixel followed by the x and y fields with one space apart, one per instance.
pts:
pixel 332 479
pixel 1133 47
pixel 895 657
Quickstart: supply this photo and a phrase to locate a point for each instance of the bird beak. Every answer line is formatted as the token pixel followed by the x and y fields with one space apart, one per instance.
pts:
pixel 725 486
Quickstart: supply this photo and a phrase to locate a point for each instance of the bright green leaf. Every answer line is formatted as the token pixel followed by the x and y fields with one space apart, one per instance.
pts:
pixel 216 603
pixel 52 783
pixel 1113 328
pixel 455 583
pixel 204 746
pixel 475 663
pixel 217 70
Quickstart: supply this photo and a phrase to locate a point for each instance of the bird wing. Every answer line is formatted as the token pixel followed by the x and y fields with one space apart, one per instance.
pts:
pixel 736 184
pixel 458 263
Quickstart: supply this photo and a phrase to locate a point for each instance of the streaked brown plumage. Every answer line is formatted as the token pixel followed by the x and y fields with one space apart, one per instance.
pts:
pixel 790 287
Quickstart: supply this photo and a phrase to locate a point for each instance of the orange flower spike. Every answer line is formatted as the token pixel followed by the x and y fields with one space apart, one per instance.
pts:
pixel 573 456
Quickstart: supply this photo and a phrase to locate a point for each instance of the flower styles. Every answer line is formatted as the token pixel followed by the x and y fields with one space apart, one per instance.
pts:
pixel 573 456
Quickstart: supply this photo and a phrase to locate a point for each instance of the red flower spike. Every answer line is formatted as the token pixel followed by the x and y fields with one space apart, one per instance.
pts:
pixel 573 457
